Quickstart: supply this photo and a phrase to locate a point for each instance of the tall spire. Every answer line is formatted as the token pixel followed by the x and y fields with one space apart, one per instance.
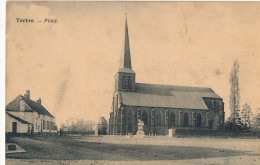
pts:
pixel 126 60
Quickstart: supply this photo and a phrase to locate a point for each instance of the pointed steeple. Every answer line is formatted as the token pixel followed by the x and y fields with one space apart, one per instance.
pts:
pixel 126 59
pixel 125 77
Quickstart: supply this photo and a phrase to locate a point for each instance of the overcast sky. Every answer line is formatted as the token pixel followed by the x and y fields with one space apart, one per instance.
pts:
pixel 71 64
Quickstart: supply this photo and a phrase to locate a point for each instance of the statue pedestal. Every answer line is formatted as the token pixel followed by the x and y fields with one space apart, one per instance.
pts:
pixel 140 134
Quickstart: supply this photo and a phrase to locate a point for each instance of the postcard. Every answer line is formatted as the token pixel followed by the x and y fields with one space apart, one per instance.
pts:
pixel 132 82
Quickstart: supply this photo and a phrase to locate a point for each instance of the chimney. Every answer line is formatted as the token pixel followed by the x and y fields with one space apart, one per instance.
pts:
pixel 39 101
pixel 27 95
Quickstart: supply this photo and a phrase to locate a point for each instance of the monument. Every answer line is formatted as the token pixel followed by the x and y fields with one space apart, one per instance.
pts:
pixel 140 132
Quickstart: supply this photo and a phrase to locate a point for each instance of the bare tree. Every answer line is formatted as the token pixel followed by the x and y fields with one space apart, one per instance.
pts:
pixel 234 96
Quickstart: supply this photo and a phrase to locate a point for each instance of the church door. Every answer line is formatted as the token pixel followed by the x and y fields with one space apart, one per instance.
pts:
pixel 186 120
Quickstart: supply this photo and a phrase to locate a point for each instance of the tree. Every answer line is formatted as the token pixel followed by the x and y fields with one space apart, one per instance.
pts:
pixel 246 116
pixel 234 96
pixel 102 126
pixel 256 122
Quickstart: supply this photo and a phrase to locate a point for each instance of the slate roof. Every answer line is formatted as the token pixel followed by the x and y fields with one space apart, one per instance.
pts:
pixel 29 107
pixel 18 118
pixel 125 62
pixel 125 70
pixel 168 96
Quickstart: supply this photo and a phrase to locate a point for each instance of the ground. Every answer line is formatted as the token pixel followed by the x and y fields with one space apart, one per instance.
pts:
pixel 125 150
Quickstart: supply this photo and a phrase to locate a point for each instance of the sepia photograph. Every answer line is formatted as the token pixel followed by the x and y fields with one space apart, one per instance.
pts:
pixel 141 82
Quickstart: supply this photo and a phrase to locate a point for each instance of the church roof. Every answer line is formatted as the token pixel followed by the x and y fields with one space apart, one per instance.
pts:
pixel 168 96
pixel 30 106
pixel 125 70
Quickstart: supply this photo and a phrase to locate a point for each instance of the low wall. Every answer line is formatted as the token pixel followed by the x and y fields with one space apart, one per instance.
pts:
pixel 216 133
pixel 92 132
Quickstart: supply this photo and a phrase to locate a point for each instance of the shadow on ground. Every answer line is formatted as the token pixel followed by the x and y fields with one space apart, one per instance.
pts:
pixel 65 148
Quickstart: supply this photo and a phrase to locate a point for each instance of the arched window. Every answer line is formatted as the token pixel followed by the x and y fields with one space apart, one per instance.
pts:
pixel 172 120
pixel 129 117
pixel 186 120
pixel 199 120
pixel 129 82
pixel 123 82
pixel 144 117
pixel 158 118
pixel 135 118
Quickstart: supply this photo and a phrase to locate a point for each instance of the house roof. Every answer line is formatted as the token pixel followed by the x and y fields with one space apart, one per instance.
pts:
pixel 18 118
pixel 168 96
pixel 29 107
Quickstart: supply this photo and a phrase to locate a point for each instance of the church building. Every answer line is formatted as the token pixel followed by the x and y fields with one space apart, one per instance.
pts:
pixel 160 107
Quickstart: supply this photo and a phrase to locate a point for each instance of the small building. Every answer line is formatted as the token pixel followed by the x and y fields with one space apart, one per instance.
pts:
pixel 24 115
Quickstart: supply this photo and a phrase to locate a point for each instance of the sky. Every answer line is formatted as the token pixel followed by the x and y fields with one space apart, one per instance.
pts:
pixel 71 64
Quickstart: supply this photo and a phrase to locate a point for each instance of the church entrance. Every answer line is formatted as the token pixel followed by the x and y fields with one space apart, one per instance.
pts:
pixel 186 120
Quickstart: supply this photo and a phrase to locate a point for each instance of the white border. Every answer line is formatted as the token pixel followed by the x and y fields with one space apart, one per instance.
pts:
pixel 2 80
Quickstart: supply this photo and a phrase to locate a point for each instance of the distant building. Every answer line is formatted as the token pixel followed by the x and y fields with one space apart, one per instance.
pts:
pixel 24 115
pixel 74 125
pixel 160 107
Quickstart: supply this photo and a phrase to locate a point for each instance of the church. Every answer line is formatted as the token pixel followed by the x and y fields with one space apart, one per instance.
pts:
pixel 160 107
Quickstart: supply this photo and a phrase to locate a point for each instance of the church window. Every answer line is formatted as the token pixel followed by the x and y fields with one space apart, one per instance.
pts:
pixel 135 118
pixel 172 120
pixel 123 82
pixel 186 120
pixel 129 82
pixel 158 118
pixel 144 117
pixel 199 120
pixel 130 117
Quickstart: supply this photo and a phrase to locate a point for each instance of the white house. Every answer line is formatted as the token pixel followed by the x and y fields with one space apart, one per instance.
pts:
pixel 24 115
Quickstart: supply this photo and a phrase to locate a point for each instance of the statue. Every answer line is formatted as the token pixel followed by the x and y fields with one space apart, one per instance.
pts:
pixel 140 125
pixel 140 132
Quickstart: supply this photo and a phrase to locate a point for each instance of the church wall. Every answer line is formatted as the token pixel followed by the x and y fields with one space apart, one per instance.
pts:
pixel 129 124
pixel 152 124
pixel 216 115
pixel 116 82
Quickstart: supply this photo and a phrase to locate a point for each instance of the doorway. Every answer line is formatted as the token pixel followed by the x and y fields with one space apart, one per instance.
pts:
pixel 14 127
